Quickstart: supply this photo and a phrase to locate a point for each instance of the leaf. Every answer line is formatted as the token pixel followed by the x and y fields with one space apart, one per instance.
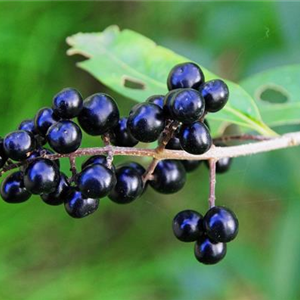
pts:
pixel 120 59
pixel 277 94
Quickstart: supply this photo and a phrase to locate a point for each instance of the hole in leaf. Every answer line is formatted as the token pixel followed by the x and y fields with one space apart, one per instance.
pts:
pixel 273 94
pixel 134 84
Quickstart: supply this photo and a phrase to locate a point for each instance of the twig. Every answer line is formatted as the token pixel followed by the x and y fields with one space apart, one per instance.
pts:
pixel 212 186
pixel 110 152
pixel 73 168
pixel 243 137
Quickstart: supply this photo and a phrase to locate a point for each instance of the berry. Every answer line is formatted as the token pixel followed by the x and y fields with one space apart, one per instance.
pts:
pixel 195 138
pixel 78 206
pixel 45 118
pixel 129 185
pixel 221 224
pixel 96 159
pixel 37 153
pixel 3 156
pixel 18 144
pixel 41 176
pixel 139 168
pixel 167 103
pixel 187 106
pixel 28 125
pixel 99 114
pixel 59 195
pixel 13 190
pixel 157 100
pixel 215 93
pixel 223 165
pixel 187 226
pixel 209 252
pixel 121 135
pixel 146 122
pixel 67 104
pixel 185 75
pixel 169 177
pixel 64 137
pixel 96 181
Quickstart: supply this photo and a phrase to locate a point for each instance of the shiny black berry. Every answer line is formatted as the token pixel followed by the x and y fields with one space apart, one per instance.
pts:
pixel 38 153
pixel 223 165
pixel 215 94
pixel 195 138
pixel 67 103
pixel 41 176
pixel 64 137
pixel 96 181
pixel 169 177
pixel 59 195
pixel 139 168
pixel 209 252
pixel 99 114
pixel 129 185
pixel 45 118
pixel 221 224
pixel 146 122
pixel 157 100
pixel 79 206
pixel 185 75
pixel 96 159
pixel 13 189
pixel 187 225
pixel 121 135
pixel 167 103
pixel 3 155
pixel 28 125
pixel 187 106
pixel 18 144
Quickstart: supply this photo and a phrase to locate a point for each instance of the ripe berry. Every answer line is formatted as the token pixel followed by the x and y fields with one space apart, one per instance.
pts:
pixel 221 224
pixel 195 138
pixel 187 106
pixel 215 94
pixel 129 185
pixel 223 165
pixel 18 144
pixel 37 153
pixel 3 156
pixel 45 118
pixel 208 252
pixel 64 137
pixel 121 135
pixel 167 103
pixel 169 177
pixel 146 122
pixel 13 189
pixel 99 114
pixel 79 206
pixel 96 181
pixel 68 103
pixel 139 168
pixel 157 100
pixel 185 75
pixel 41 176
pixel 187 226
pixel 96 159
pixel 28 125
pixel 59 195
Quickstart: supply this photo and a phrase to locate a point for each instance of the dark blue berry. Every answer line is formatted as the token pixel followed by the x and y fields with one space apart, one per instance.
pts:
pixel 187 226
pixel 185 75
pixel 139 168
pixel 223 165
pixel 18 144
pixel 3 155
pixel 79 206
pixel 169 177
pixel 121 135
pixel 41 176
pixel 38 153
pixel 195 138
pixel 129 185
pixel 28 125
pixel 221 224
pixel 157 100
pixel 59 195
pixel 45 118
pixel 186 106
pixel 167 103
pixel 67 104
pixel 146 122
pixel 215 94
pixel 96 159
pixel 209 252
pixel 13 189
pixel 64 137
pixel 96 181
pixel 99 114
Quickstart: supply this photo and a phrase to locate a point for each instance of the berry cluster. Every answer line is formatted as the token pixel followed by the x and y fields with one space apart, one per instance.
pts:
pixel 176 121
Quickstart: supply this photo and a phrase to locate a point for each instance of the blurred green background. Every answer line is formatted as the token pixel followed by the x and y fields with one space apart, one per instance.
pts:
pixel 129 252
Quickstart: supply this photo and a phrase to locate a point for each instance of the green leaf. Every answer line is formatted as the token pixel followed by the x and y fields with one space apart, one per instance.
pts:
pixel 120 59
pixel 277 94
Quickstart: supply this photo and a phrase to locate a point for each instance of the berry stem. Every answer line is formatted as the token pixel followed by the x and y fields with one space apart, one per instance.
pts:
pixel 212 185
pixel 110 152
pixel 243 137
pixel 73 168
